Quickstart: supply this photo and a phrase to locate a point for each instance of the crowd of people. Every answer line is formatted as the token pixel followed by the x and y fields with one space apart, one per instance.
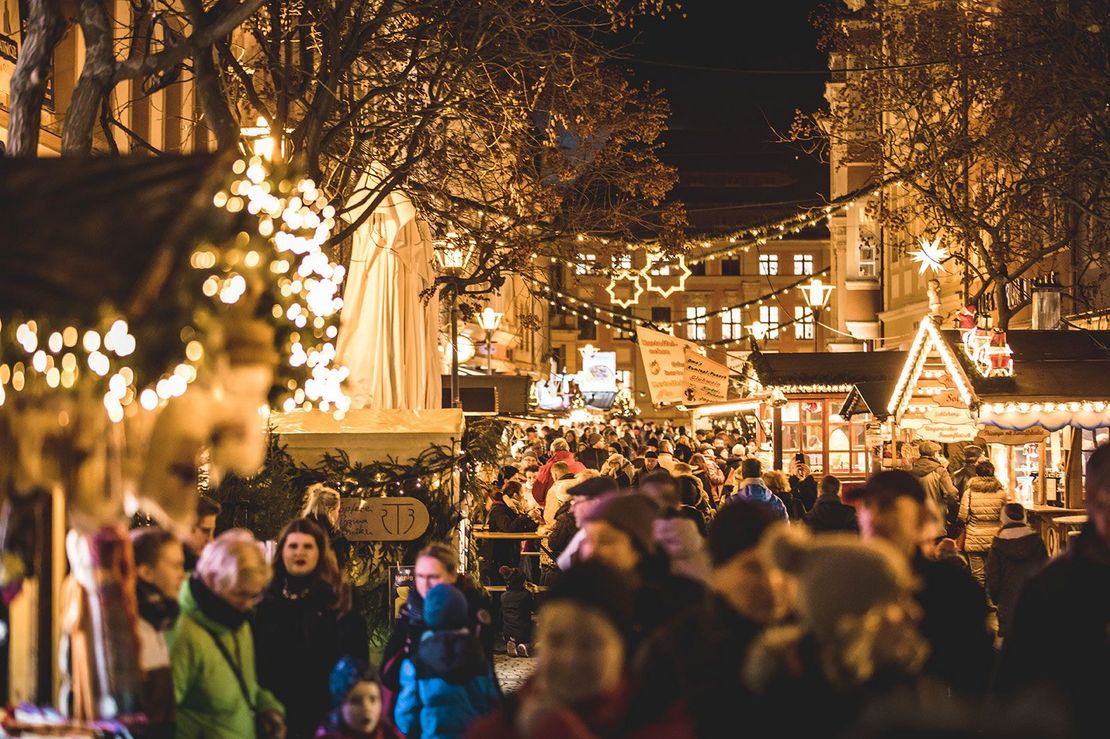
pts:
pixel 670 587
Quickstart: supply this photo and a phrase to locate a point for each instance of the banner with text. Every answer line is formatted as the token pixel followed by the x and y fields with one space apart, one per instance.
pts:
pixel 664 360
pixel 706 380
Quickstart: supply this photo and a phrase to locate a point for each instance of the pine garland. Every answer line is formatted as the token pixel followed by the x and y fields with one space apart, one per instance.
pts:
pixel 266 502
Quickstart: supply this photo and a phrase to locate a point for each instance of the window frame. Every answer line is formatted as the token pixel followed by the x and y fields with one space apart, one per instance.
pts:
pixel 768 265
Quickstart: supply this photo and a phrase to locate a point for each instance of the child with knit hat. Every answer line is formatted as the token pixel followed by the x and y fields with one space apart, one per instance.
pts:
pixel 447 683
pixel 356 693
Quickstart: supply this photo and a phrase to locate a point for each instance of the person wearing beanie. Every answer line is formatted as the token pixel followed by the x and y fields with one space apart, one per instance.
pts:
pixel 649 463
pixel 695 660
pixel 595 454
pixel 751 487
pixel 893 507
pixel 855 643
pixel 1016 553
pixel 517 608
pixel 566 534
pixel 581 686
pixel 620 532
pixel 356 694
pixel 447 682
pixel 933 475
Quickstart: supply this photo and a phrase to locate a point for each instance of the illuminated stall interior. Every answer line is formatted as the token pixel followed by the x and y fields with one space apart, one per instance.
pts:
pixel 802 395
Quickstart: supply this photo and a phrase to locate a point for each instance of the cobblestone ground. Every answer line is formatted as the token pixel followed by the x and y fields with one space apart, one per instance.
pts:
pixel 512 671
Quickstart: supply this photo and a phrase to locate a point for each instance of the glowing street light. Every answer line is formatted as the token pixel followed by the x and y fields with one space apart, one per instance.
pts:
pixel 816 294
pixel 452 258
pixel 489 320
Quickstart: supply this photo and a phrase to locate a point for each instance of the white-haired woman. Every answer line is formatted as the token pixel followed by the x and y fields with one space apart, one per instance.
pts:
pixel 618 468
pixel 321 505
pixel 212 649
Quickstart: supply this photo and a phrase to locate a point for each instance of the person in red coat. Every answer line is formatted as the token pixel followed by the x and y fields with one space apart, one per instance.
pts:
pixel 581 688
pixel 560 453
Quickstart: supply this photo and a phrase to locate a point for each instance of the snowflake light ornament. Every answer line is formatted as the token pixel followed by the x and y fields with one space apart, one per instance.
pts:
pixel 931 255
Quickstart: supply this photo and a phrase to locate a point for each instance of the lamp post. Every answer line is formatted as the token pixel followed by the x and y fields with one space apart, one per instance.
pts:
pixel 452 258
pixel 816 294
pixel 489 320
pixel 758 331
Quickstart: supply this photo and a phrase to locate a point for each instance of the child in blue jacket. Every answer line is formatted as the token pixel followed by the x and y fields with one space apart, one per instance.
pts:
pixel 447 683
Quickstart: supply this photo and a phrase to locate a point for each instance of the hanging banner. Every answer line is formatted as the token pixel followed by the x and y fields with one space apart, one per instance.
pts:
pixel 664 360
pixel 706 380
pixel 599 373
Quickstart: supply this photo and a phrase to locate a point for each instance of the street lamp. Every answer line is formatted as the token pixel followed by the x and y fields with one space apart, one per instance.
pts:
pixel 489 320
pixel 758 330
pixel 453 258
pixel 816 294
pixel 262 142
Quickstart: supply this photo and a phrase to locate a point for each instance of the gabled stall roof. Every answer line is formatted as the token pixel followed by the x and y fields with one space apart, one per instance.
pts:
pixel 819 372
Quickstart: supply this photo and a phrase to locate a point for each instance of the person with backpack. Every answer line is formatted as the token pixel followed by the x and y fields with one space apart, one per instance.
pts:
pixel 751 487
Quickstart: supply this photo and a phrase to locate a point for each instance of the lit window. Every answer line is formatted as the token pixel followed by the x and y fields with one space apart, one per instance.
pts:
pixel 803 264
pixel 768 264
pixel 769 317
pixel 622 261
pixel 867 257
pixel 585 264
pixel 695 322
pixel 732 326
pixel 624 378
pixel 803 322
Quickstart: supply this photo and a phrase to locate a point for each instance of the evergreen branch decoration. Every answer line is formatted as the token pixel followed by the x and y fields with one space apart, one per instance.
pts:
pixel 266 502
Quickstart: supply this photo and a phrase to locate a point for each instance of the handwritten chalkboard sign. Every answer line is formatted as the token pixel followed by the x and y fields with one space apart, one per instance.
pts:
pixel 383 519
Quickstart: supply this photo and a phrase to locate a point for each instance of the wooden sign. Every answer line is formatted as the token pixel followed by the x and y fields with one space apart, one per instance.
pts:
pixel 383 519
pixel 664 360
pixel 706 380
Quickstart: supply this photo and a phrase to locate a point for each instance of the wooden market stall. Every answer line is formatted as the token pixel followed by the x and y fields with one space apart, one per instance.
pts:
pixel 797 399
pixel 1038 401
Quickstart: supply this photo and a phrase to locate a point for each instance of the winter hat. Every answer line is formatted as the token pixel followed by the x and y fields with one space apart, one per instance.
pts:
pixel 445 607
pixel 594 486
pixel 514 577
pixel 634 514
pixel 593 439
pixel 651 454
pixel 928 448
pixel 598 586
pixel 838 575
pixel 1013 513
pixel 738 527
pixel 738 450
pixel 972 450
pixel 347 672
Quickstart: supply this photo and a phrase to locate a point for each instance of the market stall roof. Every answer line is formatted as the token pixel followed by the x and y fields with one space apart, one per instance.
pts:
pixel 82 231
pixel 818 372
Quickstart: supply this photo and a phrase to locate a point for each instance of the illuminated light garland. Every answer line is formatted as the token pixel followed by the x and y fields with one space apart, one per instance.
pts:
pixel 294 219
pixel 928 336
pixel 1062 406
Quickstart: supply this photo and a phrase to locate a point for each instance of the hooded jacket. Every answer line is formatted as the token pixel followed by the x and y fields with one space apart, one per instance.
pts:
pixel 752 488
pixel 935 479
pixel 210 703
pixel 981 509
pixel 1015 555
pixel 445 686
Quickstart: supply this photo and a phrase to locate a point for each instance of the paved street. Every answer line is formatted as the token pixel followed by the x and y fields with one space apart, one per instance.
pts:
pixel 512 671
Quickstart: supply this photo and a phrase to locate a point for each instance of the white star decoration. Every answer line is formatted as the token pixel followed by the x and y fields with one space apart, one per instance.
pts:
pixel 662 264
pixel 635 288
pixel 931 255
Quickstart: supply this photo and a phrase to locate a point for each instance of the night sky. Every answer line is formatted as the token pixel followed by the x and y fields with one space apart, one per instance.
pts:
pixel 720 135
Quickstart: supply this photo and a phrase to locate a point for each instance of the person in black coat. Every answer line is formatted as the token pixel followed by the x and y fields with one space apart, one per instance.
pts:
pixel 802 483
pixel 1016 554
pixel 829 513
pixel 501 518
pixel 595 452
pixel 698 657
pixel 954 606
pixel 304 625
pixel 518 606
pixel 1059 639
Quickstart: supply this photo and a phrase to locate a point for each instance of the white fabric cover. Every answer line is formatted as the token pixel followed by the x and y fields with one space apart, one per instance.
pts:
pixel 387 334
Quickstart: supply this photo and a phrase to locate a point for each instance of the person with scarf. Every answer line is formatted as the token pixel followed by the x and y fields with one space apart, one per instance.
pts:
pixel 215 683
pixel 159 570
pixel 356 692
pixel 304 625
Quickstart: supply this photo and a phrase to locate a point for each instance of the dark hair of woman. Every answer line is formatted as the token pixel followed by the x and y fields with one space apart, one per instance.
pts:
pixel 326 576
pixel 984 469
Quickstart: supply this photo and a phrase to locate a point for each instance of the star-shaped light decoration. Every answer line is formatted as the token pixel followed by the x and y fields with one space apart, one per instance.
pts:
pixel 931 255
pixel 663 264
pixel 635 287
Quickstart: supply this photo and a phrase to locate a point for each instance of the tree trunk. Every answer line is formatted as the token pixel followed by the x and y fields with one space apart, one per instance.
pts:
pixel 45 28
pixel 213 102
pixel 95 81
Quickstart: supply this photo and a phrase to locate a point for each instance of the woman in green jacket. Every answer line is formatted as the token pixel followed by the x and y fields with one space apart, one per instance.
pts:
pixel 212 650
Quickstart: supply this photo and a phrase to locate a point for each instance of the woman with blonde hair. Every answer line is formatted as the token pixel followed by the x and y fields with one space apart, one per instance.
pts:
pixel 212 649
pixel 779 484
pixel 321 506
pixel 617 467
